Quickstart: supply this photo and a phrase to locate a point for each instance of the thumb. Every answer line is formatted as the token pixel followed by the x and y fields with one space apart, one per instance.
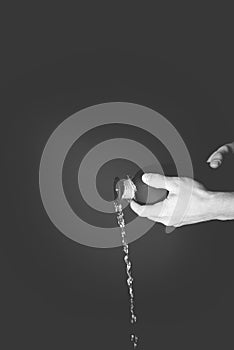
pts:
pixel 158 181
pixel 137 208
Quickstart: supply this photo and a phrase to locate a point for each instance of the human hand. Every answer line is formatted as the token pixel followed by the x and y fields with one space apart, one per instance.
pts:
pixel 216 158
pixel 188 202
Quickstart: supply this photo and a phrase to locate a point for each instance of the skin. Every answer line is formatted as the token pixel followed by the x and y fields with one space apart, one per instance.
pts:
pixel 188 201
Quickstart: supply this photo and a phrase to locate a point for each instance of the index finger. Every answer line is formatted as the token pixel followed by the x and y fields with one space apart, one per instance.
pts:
pixel 160 181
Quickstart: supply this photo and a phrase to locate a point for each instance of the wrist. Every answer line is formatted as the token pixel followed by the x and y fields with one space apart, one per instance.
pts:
pixel 221 205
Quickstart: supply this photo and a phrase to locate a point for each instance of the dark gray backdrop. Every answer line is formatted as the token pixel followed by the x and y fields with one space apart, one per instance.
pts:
pixel 55 293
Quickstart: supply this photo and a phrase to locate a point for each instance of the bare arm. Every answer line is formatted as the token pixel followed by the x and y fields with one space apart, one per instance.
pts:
pixel 223 205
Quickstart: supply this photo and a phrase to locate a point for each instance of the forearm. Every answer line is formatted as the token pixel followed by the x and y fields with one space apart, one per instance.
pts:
pixel 222 205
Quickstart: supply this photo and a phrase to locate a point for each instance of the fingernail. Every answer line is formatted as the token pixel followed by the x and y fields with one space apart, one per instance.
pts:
pixel 132 206
pixel 215 163
pixel 145 178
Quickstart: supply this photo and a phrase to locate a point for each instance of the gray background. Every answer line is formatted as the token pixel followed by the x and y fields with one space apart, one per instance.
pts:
pixel 55 293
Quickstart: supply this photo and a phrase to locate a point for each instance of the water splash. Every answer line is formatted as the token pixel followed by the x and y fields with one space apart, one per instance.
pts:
pixel 121 223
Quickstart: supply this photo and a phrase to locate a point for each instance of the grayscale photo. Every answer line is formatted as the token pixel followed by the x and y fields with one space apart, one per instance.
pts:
pixel 117 124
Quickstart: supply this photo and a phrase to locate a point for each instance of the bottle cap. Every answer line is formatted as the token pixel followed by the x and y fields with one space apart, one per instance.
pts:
pixel 126 189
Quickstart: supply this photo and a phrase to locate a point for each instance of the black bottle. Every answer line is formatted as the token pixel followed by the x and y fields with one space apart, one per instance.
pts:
pixel 136 189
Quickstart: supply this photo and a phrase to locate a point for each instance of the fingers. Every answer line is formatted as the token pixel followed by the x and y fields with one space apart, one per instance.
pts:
pixel 160 181
pixel 216 158
pixel 153 210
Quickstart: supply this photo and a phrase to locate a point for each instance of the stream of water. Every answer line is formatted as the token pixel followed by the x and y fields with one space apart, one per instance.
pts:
pixel 121 223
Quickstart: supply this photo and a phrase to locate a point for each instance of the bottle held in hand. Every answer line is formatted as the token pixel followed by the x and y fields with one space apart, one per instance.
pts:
pixel 136 189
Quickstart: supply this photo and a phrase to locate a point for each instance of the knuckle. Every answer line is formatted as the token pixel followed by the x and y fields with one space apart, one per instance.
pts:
pixel 176 181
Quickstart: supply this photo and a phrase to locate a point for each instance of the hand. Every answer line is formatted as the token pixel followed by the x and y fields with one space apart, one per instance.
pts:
pixel 216 158
pixel 188 202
